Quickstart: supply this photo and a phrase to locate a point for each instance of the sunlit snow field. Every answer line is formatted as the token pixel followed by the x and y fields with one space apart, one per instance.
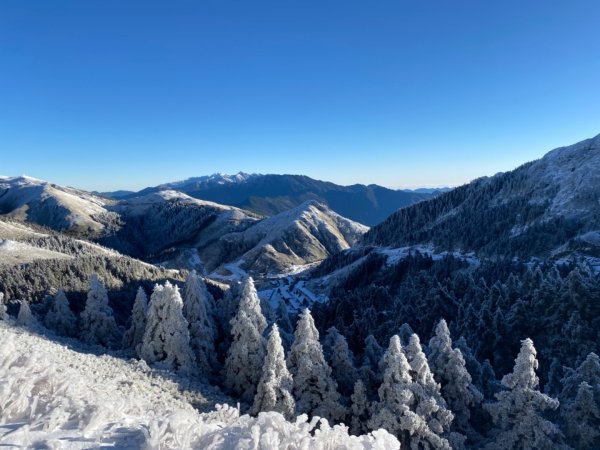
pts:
pixel 58 393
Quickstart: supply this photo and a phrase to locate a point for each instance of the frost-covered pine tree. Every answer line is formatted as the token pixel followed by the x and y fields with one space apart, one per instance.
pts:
pixel 369 371
pixel 588 371
pixel 517 414
pixel 430 405
pixel 449 369
pixel 25 316
pixel 580 403
pixel 274 392
pixel 245 357
pixel 341 361
pixel 398 410
pixel 59 317
pixel 3 310
pixel 314 389
pixel 250 303
pixel 360 409
pixel 166 338
pixel 197 311
pixel 134 335
pixel 582 419
pixel 98 324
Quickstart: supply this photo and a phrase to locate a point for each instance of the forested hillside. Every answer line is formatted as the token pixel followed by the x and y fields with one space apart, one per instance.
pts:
pixel 545 208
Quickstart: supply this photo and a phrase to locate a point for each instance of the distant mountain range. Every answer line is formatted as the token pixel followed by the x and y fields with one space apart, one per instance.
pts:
pixel 175 230
pixel 268 195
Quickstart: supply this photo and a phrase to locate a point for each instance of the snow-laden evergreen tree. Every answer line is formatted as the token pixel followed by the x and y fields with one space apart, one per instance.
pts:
pixel 588 371
pixel 582 419
pixel 359 409
pixel 430 404
pixel 166 338
pixel 517 414
pixel 580 403
pixel 396 410
pixel 25 316
pixel 369 371
pixel 314 389
pixel 283 318
pixel 341 360
pixel 197 311
pixel 243 365
pixel 250 303
pixel 59 317
pixel 274 392
pixel 449 369
pixel 98 324
pixel 134 335
pixel 245 357
pixel 268 310
pixel 3 310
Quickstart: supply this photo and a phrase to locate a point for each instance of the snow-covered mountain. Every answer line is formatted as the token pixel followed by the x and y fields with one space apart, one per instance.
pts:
pixel 164 225
pixel 272 194
pixel 173 229
pixel 548 207
pixel 36 261
pixel 306 234
pixel 61 208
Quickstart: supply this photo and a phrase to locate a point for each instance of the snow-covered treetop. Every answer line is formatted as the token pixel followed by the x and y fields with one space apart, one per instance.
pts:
pixel 250 304
pixel 523 375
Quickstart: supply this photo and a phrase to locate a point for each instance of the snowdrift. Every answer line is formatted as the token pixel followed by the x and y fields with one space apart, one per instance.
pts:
pixel 60 394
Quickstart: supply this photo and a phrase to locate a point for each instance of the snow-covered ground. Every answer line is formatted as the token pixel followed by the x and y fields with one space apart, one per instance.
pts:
pixel 395 255
pixel 292 292
pixel 12 252
pixel 57 393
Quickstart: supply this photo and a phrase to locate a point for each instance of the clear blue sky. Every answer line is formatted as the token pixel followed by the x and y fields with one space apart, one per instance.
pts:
pixel 125 94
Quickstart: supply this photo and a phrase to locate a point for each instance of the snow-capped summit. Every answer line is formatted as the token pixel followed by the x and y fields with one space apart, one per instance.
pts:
pixel 207 180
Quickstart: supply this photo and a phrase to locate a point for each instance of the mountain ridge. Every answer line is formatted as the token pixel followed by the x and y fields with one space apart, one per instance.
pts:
pixel 270 194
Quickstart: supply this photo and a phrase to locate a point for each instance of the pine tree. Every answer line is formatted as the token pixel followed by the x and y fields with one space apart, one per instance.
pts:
pixel 166 338
pixel 134 335
pixel 341 361
pixel 274 392
pixel 396 410
pixel 3 309
pixel 250 303
pixel 369 371
pixel 449 369
pixel 245 357
pixel 588 371
pixel 359 409
pixel 582 419
pixel 25 316
pixel 430 406
pixel 314 388
pixel 59 317
pixel 517 415
pixel 196 310
pixel 98 324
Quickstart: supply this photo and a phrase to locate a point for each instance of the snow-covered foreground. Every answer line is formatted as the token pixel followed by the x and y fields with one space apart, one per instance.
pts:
pixel 54 396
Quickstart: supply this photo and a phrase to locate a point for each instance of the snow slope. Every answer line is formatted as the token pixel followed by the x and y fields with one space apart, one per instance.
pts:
pixel 13 252
pixel 303 235
pixel 61 208
pixel 61 394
